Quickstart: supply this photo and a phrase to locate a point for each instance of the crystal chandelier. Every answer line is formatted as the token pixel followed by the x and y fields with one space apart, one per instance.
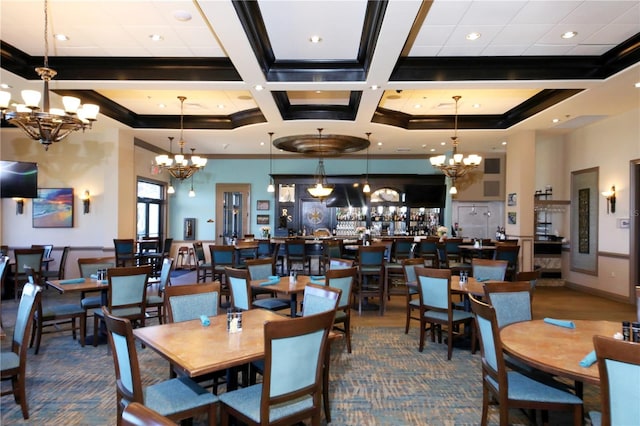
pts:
pixel 47 125
pixel 320 189
pixel 458 165
pixel 180 167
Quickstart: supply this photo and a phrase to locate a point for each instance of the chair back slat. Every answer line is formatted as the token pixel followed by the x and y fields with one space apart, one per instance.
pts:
pixel 188 302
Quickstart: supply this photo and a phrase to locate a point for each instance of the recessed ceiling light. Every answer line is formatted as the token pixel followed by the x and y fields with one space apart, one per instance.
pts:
pixel 504 142
pixel 375 87
pixel 182 15
pixel 556 120
pixel 432 150
pixel 261 143
pixel 156 37
pixel 473 36
pixel 424 145
pixel 5 86
pixel 220 106
pixel 416 106
pixel 476 105
pixel 379 143
pixel 162 105
pixel 569 34
pixel 638 85
pixel 258 87
pixel 443 143
pixel 61 37
pixel 318 91
pixel 315 39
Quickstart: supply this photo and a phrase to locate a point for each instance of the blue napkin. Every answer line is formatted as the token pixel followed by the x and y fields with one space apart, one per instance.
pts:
pixel 271 281
pixel 317 277
pixel 588 360
pixel 72 281
pixel 481 280
pixel 204 320
pixel 93 276
pixel 560 323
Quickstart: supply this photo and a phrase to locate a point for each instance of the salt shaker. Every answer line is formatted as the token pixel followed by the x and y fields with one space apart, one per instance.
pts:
pixel 626 330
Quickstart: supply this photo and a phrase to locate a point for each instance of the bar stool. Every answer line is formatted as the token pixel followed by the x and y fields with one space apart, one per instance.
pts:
pixel 186 256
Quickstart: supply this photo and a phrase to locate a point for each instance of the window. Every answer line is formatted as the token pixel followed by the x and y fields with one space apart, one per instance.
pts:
pixel 151 210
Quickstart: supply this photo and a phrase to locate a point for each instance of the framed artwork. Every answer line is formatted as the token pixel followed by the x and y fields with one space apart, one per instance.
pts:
pixel 263 205
pixel 512 199
pixel 262 219
pixel 53 208
pixel 584 221
pixel 189 228
pixel 512 218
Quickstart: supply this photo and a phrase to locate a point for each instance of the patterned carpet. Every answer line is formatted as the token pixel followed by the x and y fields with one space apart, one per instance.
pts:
pixel 385 381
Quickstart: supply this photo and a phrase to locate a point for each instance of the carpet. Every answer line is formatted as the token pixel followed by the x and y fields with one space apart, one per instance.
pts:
pixel 176 273
pixel 385 381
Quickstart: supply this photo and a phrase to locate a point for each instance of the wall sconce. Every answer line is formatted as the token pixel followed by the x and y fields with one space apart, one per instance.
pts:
pixel 86 201
pixel 19 205
pixel 611 199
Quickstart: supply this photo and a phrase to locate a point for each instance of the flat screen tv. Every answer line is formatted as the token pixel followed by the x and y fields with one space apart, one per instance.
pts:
pixel 18 179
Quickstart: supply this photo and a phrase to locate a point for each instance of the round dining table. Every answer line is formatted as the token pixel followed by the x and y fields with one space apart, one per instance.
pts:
pixel 554 349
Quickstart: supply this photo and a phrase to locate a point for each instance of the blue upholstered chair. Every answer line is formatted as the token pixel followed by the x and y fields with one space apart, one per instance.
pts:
pixel 88 267
pixel 14 361
pixel 177 398
pixel 261 269
pixel 188 302
pixel 337 263
pixel 204 269
pixel 136 414
pixel 126 297
pixel 242 296
pixel 59 273
pixel 531 276
pixel 31 258
pixel 222 257
pixel 510 300
pixel 436 310
pixel 296 252
pixel 512 389
pixel 53 314
pixel 125 251
pixel 331 249
pixel 291 389
pixel 426 249
pixel 155 301
pixel 619 367
pixel 410 279
pixel 319 298
pixel 508 252
pixel 488 269
pixel 370 275
pixel 343 279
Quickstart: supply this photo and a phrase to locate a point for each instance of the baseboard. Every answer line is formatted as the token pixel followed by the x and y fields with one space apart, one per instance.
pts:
pixel 599 293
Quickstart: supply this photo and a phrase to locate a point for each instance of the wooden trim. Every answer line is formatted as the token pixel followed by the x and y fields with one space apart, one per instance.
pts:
pixel 600 293
pixel 613 255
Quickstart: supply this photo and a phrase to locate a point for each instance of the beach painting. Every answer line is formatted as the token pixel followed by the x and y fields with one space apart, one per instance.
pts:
pixel 53 208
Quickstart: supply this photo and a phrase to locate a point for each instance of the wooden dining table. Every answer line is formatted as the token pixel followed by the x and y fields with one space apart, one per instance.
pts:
pixel 285 286
pixel 554 349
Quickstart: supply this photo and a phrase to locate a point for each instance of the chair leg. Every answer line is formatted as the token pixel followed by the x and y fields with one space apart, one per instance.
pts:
pixel 485 405
pixel 96 320
pixel 83 329
pixel 347 331
pixel 422 332
pixel 20 394
pixel 37 329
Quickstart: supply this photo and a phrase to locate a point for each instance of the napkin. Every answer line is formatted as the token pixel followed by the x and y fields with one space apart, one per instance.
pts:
pixel 561 323
pixel 481 280
pixel 317 279
pixel 72 281
pixel 204 320
pixel 588 360
pixel 271 281
pixel 93 276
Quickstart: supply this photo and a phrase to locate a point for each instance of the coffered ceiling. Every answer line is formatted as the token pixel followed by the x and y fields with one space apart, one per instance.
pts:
pixel 386 67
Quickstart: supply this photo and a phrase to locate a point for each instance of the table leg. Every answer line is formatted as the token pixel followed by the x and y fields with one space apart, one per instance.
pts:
pixel 294 305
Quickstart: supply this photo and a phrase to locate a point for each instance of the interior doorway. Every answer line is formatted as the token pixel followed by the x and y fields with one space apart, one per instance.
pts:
pixel 232 211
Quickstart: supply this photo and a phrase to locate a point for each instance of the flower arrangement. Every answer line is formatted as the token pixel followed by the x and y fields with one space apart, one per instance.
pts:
pixel 442 231
pixel 360 230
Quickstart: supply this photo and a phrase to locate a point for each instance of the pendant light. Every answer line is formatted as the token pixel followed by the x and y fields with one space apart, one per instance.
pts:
pixel 192 193
pixel 320 189
pixel 366 188
pixel 271 187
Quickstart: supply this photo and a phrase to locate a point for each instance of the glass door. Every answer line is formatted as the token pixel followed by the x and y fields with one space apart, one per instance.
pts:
pixel 232 210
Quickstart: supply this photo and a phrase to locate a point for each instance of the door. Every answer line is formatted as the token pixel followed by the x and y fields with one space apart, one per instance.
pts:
pixel 232 211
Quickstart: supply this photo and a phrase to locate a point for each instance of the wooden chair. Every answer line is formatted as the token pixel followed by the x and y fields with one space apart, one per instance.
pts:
pixel 294 349
pixel 136 414
pixel 436 310
pixel 4 269
pixel 509 388
pixel 508 252
pixel 53 314
pixel 48 249
pixel 427 250
pixel 178 398
pixel 125 250
pixel 411 285
pixel 60 272
pixel 126 296
pixel 189 301
pixel 319 298
pixel 370 275
pixel 340 263
pixel 488 269
pixel 31 258
pixel 242 296
pixel 531 276
pixel 89 267
pixel 331 249
pixel 619 367
pixel 261 269
pixel 343 279
pixel 155 300
pixel 445 261
pixel 203 268
pixel 14 361
pixel 296 253
pixel 402 249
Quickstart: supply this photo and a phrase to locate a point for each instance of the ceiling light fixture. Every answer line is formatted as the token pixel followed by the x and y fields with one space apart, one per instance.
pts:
pixel 320 189
pixel 182 169
pixel 192 193
pixel 272 186
pixel 47 125
pixel 569 34
pixel 458 165
pixel 366 188
pixel 473 36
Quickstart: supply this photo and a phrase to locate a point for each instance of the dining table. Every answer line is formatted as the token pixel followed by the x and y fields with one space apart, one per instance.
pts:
pixel 555 349
pixel 469 251
pixel 286 286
